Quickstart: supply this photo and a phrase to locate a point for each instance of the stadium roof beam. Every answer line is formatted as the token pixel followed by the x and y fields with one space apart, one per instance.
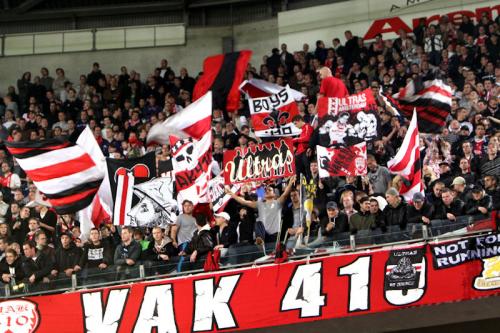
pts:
pixel 210 3
pixel 27 5
pixel 146 7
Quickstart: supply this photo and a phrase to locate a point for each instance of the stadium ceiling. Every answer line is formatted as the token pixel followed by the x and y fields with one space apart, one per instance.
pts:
pixel 25 15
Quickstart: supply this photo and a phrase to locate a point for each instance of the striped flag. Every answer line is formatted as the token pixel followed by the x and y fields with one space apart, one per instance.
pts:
pixel 222 74
pixel 63 171
pixel 407 163
pixel 99 211
pixel 431 99
pixel 259 88
pixel 193 128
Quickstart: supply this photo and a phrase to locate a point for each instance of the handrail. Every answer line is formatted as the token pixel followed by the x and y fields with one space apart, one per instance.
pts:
pixel 75 286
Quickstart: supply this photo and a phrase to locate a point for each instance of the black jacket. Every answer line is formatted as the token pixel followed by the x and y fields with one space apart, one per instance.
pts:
pixel 67 258
pixel 202 242
pixel 341 224
pixel 396 215
pixel 41 266
pixel 18 269
pixel 471 208
pixel 227 237
pixel 440 209
pixel 415 215
pixel 94 255
pixel 152 253
pixel 123 252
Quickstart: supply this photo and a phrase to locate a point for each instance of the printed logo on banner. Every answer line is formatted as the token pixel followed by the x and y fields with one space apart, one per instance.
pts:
pixel 261 162
pixel 345 161
pixel 217 193
pixel 19 316
pixel 490 275
pixel 404 272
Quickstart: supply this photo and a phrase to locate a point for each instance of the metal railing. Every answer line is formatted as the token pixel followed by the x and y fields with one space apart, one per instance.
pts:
pixel 250 254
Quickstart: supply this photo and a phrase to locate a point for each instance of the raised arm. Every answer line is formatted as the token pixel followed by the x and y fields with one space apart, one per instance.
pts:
pixel 287 191
pixel 242 201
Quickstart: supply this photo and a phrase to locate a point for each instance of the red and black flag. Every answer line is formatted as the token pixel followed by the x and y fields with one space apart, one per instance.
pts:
pixel 63 171
pixel 432 100
pixel 222 74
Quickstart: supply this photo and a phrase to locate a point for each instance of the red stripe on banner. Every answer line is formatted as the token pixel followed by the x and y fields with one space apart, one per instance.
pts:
pixel 70 199
pixel 435 89
pixel 62 169
pixel 99 214
pixel 17 151
pixel 233 98
pixel 211 67
pixel 199 128
pixel 123 202
pixel 403 163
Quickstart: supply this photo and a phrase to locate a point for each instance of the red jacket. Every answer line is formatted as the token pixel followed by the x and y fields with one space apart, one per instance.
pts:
pixel 302 142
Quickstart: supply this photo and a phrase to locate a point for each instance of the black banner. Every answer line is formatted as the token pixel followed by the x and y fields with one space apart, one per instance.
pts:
pixel 403 269
pixel 461 251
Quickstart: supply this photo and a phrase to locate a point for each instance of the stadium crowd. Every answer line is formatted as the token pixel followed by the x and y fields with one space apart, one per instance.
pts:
pixel 461 165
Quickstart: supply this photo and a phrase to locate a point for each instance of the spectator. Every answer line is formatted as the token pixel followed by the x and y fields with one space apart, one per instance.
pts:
pixel 161 248
pixel 36 266
pixel 68 258
pixel 459 186
pixel 269 211
pixel 202 241
pixel 302 145
pixel 480 203
pixel 491 188
pixel 293 219
pixel 335 222
pixel 225 236
pixel 379 176
pixel 330 85
pixel 184 227
pixel 126 254
pixel 448 208
pixel 362 220
pixel 96 253
pixel 11 269
pixel 420 211
pixel 395 213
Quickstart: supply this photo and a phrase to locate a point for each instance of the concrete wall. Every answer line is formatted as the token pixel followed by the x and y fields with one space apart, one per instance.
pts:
pixel 260 37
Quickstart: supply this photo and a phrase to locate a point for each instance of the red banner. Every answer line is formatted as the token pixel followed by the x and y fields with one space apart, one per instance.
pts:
pixel 323 288
pixel 346 161
pixel 354 103
pixel 260 162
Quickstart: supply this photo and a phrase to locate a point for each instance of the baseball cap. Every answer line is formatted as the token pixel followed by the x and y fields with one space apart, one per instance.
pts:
pixel 477 188
pixel 224 215
pixel 444 163
pixel 331 205
pixel 458 181
pixel 418 197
